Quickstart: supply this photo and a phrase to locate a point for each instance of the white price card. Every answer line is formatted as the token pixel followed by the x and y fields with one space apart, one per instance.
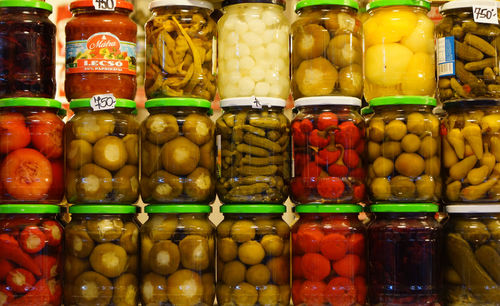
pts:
pixel 104 5
pixel 103 102
pixel 485 13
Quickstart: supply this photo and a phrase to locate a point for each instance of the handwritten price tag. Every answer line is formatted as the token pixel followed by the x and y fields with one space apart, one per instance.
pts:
pixel 103 102
pixel 256 103
pixel 104 5
pixel 486 13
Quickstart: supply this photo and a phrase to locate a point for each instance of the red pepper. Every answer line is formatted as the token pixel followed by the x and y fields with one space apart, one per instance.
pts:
pixel 330 187
pixel 299 139
pixel 326 157
pixel 335 225
pixel 360 148
pixel 341 291
pixel 310 175
pixel 53 232
pixel 48 265
pixel 358 173
pixel 299 190
pixel 334 246
pixel 312 293
pixel 5 267
pixel 11 251
pixel 296 297
pixel 361 289
pixel 300 160
pixel 338 170
pixel 467 88
pixel 309 237
pixel 306 126
pixel 39 296
pixel 20 280
pixel 5 295
pixel 347 266
pixel 297 267
pixel 315 266
pixel 359 192
pixel 347 135
pixel 326 120
pixel 443 130
pixel 318 139
pixel 351 159
pixel 55 290
pixel 32 239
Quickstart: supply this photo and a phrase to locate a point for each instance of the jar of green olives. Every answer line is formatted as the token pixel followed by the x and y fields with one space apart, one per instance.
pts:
pixel 253 256
pixel 178 255
pixel 101 256
pixel 102 153
pixel 178 152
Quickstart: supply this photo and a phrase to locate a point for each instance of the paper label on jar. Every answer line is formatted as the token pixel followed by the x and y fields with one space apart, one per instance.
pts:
pixel 103 102
pixel 485 13
pixel 101 53
pixel 104 5
pixel 446 56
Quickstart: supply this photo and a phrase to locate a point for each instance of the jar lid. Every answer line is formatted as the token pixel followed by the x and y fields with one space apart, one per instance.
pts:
pixel 27 3
pixel 404 207
pixel 403 100
pixel 328 100
pixel 193 3
pixel 281 3
pixel 188 102
pixel 462 104
pixel 255 102
pixel 459 4
pixel 328 208
pixel 252 209
pixel 29 209
pixel 380 3
pixel 472 209
pixel 102 209
pixel 40 102
pixel 177 208
pixel 306 3
pixel 89 3
pixel 366 111
pixel 79 103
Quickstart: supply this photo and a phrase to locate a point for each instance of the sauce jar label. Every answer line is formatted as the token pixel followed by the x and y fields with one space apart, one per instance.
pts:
pixel 101 53
pixel 446 56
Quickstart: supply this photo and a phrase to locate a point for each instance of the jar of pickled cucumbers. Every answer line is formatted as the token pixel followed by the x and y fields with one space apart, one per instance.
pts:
pixel 404 150
pixel 467 63
pixel 253 146
pixel 101 256
pixel 178 152
pixel 253 256
pixel 327 49
pixel 178 256
pixel 253 51
pixel 31 255
pixel 328 149
pixel 102 153
pixel 404 255
pixel 329 256
pixel 399 49
pixel 472 243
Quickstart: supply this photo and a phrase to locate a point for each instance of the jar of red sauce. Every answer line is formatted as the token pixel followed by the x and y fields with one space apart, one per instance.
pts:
pixel 100 51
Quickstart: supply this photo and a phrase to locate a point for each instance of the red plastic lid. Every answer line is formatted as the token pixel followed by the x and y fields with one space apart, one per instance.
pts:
pixel 88 3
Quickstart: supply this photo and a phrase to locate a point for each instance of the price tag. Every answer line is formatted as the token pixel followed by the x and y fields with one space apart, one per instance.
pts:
pixel 104 5
pixel 256 103
pixel 485 13
pixel 103 102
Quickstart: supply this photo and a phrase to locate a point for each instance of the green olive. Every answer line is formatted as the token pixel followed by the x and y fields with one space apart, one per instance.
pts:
pixel 110 153
pixel 161 128
pixel 78 241
pixel 79 153
pixel 198 128
pixel 194 252
pixel 153 289
pixel 108 259
pixel 125 290
pixel 180 156
pixel 251 253
pixel 164 186
pixel 93 126
pixel 91 288
pixel 94 183
pixel 184 287
pixel 164 257
pixel 199 185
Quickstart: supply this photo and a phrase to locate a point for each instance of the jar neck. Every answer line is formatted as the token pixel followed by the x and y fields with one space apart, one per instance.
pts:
pixel 188 9
pixel 81 217
pixel 177 110
pixel 325 9
pixel 25 11
pixel 124 110
pixel 91 11
pixel 398 8
pixel 336 216
pixel 314 109
pixel 251 216
pixel 233 109
pixel 252 6
pixel 200 216
pixel 403 108
pixel 406 216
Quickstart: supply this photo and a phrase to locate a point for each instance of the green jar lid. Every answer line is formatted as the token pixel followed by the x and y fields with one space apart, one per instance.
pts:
pixel 177 208
pixel 327 208
pixel 306 3
pixel 380 3
pixel 176 102
pixel 79 103
pixel 41 102
pixel 404 207
pixel 29 209
pixel 102 209
pixel 26 3
pixel 366 111
pixel 252 209
pixel 403 100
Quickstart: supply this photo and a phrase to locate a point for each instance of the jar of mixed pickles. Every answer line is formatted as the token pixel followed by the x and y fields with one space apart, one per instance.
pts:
pixel 254 151
pixel 399 49
pixel 327 49
pixel 328 148
pixel 173 33
pixel 404 247
pixel 178 152
pixel 253 256
pixel 102 154
pixel 404 150
pixel 253 51
pixel 101 256
pixel 329 256
pixel 178 256
pixel 31 255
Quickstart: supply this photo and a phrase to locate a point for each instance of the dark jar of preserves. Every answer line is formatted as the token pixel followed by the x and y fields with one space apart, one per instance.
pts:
pixel 404 247
pixel 100 51
pixel 31 255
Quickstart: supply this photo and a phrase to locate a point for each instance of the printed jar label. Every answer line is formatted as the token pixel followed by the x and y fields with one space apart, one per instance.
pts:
pixel 446 56
pixel 102 52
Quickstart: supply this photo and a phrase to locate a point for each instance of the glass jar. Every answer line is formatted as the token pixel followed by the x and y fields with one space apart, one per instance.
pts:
pixel 101 256
pixel 404 253
pixel 27 50
pixel 253 256
pixel 178 256
pixel 467 57
pixel 172 33
pixel 253 152
pixel 327 49
pixel 178 152
pixel 471 151
pixel 367 113
pixel 399 49
pixel 100 51
pixel 102 154
pixel 31 151
pixel 329 256
pixel 253 50
pixel 404 150
pixel 328 148
pixel 31 255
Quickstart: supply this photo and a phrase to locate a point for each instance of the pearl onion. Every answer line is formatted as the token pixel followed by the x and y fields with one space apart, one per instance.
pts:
pixel 268 36
pixel 262 89
pixel 247 63
pixel 269 18
pixel 258 53
pixel 256 26
pixel 258 73
pixel 273 49
pixel 242 50
pixel 252 39
pixel 246 86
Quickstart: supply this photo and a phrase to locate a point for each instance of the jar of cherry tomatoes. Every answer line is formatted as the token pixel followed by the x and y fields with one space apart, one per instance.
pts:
pixel 31 255
pixel 328 255
pixel 100 51
pixel 328 143
pixel 31 151
pixel 404 247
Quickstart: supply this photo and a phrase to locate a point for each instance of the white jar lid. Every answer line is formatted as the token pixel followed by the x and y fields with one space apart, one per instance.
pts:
pixel 328 100
pixel 474 208
pixel 255 102
pixel 193 3
pixel 458 4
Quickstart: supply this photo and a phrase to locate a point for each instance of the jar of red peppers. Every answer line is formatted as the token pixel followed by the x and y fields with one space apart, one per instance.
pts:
pixel 27 49
pixel 31 255
pixel 328 143
pixel 100 51
pixel 404 247
pixel 329 256
pixel 31 151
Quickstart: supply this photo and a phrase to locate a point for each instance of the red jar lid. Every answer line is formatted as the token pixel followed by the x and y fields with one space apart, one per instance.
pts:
pixel 88 3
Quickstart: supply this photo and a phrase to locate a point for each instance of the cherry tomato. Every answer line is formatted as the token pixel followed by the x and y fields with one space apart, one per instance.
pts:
pixel 46 134
pixel 13 132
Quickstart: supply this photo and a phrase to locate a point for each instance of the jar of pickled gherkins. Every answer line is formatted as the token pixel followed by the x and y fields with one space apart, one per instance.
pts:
pixel 328 148
pixel 253 51
pixel 399 49
pixel 329 256
pixel 253 151
pixel 467 63
pixel 253 256
pixel 178 152
pixel 102 154
pixel 178 256
pixel 101 261
pixel 404 255
pixel 31 255
pixel 327 49
pixel 404 150
pixel 173 33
